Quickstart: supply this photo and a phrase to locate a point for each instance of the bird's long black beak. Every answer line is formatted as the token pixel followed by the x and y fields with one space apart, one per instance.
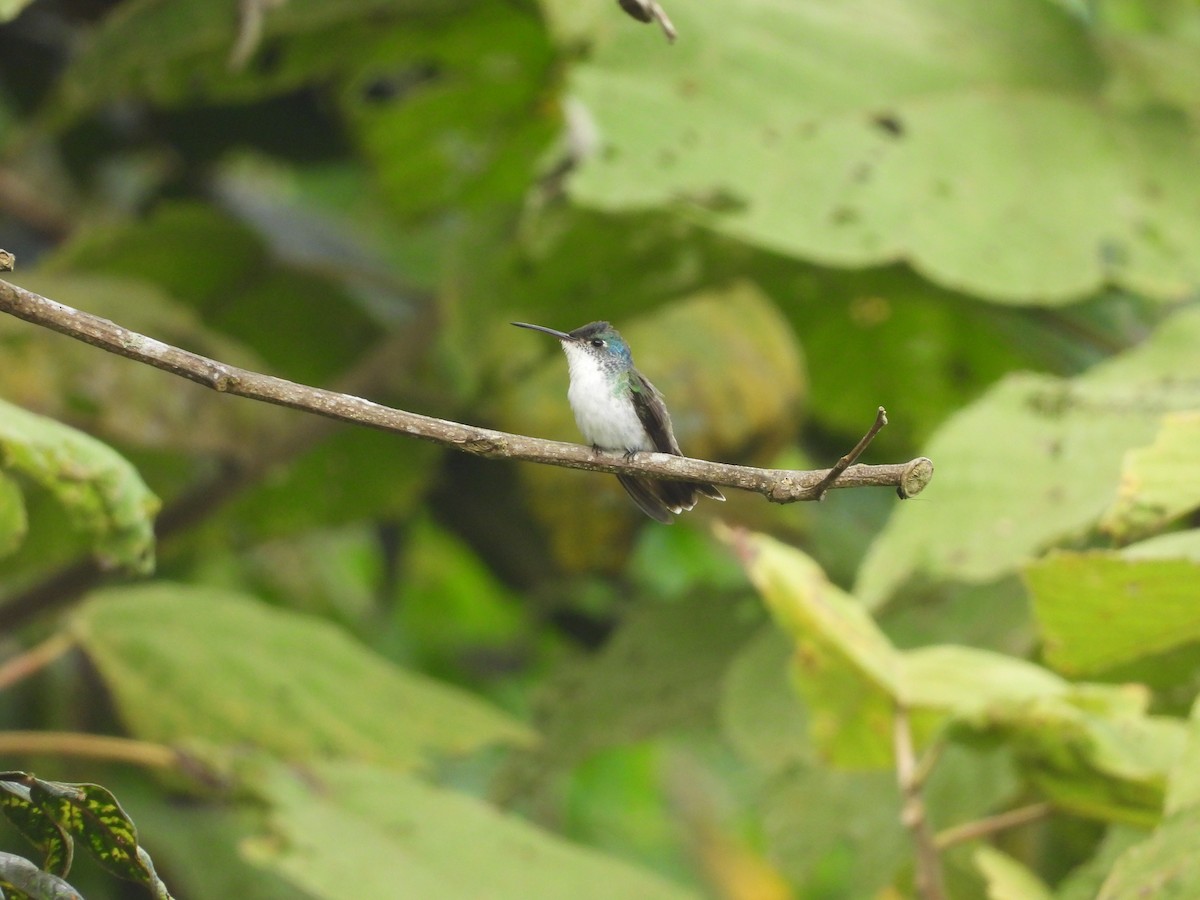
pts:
pixel 561 335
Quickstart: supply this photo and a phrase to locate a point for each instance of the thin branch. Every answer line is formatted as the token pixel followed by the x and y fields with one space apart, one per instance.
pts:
pixel 90 746
pixel 852 457
pixel 778 485
pixel 981 828
pixel 34 659
pixel 912 812
pixel 650 11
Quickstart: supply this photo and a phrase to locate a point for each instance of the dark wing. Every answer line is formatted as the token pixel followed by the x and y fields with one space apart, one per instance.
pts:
pixel 647 495
pixel 652 412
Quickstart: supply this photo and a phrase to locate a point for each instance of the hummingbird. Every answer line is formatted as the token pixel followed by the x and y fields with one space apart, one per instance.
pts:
pixel 617 408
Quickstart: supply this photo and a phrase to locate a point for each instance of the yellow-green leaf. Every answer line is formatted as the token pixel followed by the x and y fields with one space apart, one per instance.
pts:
pixel 844 666
pixel 1160 482
pixel 188 662
pixel 1097 610
pixel 101 492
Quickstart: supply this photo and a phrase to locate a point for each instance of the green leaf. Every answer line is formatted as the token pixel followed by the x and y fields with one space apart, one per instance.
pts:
pixel 39 829
pixel 450 110
pixel 177 52
pixel 845 668
pixel 1006 878
pixel 1183 792
pixel 103 494
pixel 976 687
pixel 14 521
pixel 874 132
pixel 1176 545
pixel 836 833
pixel 1034 462
pixel 345 829
pixel 1109 767
pixel 197 663
pixel 1159 483
pixel 19 879
pixel 660 671
pixel 760 715
pixel 1084 882
pixel 1166 863
pixel 10 9
pixel 1097 610
pixel 92 815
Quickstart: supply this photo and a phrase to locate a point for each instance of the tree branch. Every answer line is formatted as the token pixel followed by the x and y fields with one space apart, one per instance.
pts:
pixel 981 828
pixel 910 776
pixel 778 485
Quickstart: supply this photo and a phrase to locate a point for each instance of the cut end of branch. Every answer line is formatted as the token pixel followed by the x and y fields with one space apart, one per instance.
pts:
pixel 917 475
pixel 7 261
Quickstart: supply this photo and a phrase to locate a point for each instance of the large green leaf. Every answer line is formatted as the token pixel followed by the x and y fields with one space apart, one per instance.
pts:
pixel 102 493
pixel 845 668
pixel 188 663
pixel 348 830
pixel 177 51
pixel 1097 610
pixel 450 112
pixel 869 132
pixel 1034 462
pixel 1166 863
pixel 658 672
pixel 1160 482
pixel 10 9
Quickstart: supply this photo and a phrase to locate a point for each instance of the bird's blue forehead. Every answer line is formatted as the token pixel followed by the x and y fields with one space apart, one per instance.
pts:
pixel 613 344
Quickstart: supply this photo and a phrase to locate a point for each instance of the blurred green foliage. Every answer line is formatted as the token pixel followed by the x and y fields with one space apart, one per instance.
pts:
pixel 391 669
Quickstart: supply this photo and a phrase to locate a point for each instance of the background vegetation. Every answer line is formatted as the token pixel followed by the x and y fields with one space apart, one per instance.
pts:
pixel 381 668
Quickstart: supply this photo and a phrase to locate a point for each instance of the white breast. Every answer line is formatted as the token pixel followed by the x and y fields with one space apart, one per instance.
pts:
pixel 606 417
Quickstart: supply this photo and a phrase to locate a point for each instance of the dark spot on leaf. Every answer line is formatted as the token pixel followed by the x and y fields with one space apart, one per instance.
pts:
pixel 942 188
pixel 667 158
pixel 862 173
pixel 1052 403
pixel 689 138
pixel 718 200
pixel 807 129
pixel 392 86
pixel 1113 254
pixel 1152 190
pixel 889 123
pixel 770 136
pixel 1054 448
pixel 844 215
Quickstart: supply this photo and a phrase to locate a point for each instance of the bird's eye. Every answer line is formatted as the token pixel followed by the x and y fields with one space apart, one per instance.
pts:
pixel 597 342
